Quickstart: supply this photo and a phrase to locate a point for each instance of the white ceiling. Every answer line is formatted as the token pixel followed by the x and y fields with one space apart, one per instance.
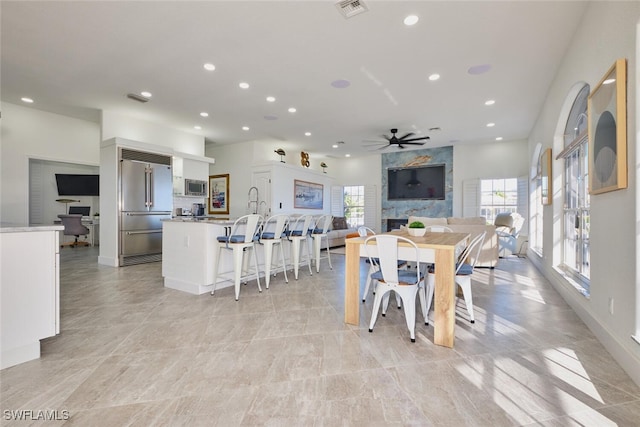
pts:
pixel 78 58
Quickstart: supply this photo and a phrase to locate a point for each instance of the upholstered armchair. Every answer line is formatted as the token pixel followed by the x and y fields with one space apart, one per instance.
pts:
pixel 508 225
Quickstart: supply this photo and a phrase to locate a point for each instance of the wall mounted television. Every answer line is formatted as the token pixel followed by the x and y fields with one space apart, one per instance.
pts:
pixel 78 185
pixel 416 183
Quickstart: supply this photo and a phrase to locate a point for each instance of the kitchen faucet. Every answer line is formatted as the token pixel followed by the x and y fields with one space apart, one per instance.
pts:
pixel 252 201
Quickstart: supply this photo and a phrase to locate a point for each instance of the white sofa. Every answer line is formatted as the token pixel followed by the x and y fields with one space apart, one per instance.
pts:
pixel 339 231
pixel 489 253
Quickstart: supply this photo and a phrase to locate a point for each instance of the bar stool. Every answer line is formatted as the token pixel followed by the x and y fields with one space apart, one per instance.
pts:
pixel 299 231
pixel 239 241
pixel 319 232
pixel 272 234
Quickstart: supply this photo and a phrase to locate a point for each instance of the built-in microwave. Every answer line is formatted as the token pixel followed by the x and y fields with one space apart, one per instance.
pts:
pixel 195 187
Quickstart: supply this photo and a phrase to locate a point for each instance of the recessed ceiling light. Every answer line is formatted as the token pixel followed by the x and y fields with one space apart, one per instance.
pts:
pixel 209 67
pixel 146 94
pixel 292 110
pixel 197 127
pixel 347 155
pixel 434 77
pixel 340 84
pixel 27 100
pixel 499 138
pixel 307 134
pixel 244 85
pixel 411 20
pixel 204 114
pixel 490 125
pixel 479 69
pixel 271 99
pixel 489 102
pixel 245 127
pixel 334 146
pixel 608 81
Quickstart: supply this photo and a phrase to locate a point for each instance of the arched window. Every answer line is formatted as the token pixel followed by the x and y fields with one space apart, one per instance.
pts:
pixel 575 238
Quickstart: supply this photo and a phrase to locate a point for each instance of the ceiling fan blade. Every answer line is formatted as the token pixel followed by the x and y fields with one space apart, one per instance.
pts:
pixel 407 135
pixel 388 138
pixel 412 143
pixel 421 138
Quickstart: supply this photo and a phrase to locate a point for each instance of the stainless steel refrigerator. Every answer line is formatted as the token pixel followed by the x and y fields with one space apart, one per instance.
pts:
pixel 146 198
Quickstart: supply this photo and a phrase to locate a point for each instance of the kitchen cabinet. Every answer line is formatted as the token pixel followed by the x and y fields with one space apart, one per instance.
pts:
pixel 29 290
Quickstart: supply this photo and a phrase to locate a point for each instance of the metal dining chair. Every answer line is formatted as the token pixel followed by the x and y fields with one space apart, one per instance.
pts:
pixel 384 251
pixel 319 232
pixel 297 234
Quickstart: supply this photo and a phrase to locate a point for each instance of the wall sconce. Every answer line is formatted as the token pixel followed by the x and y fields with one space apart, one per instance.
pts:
pixel 281 153
pixel 324 166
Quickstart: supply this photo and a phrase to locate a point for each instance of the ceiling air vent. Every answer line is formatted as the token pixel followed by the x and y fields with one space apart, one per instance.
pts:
pixel 351 8
pixel 137 97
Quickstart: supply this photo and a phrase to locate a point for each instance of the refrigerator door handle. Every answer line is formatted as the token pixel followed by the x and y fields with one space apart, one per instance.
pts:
pixel 146 187
pixel 130 233
pixel 150 187
pixel 147 213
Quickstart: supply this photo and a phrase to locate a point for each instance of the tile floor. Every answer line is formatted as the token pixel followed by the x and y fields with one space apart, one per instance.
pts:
pixel 134 353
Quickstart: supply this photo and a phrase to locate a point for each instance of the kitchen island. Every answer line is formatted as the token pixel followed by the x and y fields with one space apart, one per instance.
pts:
pixel 189 249
pixel 29 290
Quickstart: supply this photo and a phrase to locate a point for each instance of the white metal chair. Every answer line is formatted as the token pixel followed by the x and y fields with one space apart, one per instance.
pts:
pixel 464 270
pixel 386 252
pixel 242 239
pixel 438 229
pixel 272 234
pixel 297 233
pixel 319 232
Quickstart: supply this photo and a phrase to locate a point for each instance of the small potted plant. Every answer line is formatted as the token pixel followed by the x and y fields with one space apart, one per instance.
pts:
pixel 416 229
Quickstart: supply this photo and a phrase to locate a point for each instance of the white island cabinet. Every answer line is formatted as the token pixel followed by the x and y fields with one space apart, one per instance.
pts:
pixel 29 290
pixel 188 252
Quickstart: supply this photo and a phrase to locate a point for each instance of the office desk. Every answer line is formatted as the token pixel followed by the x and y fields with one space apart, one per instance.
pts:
pixel 438 248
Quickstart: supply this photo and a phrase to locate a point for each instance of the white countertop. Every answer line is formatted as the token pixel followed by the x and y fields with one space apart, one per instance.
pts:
pixel 199 219
pixel 7 227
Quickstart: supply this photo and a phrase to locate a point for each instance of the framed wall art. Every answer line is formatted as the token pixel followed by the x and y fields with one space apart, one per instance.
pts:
pixel 608 131
pixel 307 195
pixel 219 194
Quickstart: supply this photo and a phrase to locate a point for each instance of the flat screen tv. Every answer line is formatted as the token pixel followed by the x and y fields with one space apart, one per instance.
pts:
pixel 416 183
pixel 78 185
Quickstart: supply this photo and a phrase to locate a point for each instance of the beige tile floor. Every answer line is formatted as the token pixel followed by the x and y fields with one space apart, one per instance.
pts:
pixel 133 353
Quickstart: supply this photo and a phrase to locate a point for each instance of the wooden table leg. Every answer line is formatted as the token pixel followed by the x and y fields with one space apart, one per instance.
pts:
pixel 444 298
pixel 352 283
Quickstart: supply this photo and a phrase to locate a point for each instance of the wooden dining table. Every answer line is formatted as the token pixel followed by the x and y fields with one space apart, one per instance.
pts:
pixel 440 249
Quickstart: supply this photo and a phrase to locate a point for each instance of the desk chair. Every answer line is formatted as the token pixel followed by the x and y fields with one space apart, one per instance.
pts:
pixel 244 234
pixel 319 232
pixel 297 233
pixel 73 227
pixel 385 251
pixel 272 234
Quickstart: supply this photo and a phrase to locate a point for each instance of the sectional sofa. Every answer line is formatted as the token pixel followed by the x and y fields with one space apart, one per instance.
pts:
pixel 339 231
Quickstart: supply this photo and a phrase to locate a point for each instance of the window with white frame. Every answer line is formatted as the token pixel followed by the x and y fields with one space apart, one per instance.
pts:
pixel 497 196
pixel 576 207
pixel 354 203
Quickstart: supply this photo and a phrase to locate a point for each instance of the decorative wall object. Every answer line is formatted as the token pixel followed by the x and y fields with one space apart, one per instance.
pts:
pixel 324 166
pixel 545 177
pixel 219 194
pixel 280 152
pixel 304 159
pixel 608 131
pixel 307 195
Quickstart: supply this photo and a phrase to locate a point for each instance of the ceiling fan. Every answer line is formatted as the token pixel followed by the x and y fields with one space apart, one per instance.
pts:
pixel 400 142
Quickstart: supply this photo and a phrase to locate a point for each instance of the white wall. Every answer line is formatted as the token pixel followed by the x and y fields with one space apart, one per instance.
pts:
pixel 607 32
pixel 118 126
pixel 30 133
pixel 503 159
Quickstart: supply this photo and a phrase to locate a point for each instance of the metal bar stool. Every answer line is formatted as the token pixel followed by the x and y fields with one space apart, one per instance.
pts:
pixel 299 231
pixel 239 241
pixel 272 234
pixel 319 232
